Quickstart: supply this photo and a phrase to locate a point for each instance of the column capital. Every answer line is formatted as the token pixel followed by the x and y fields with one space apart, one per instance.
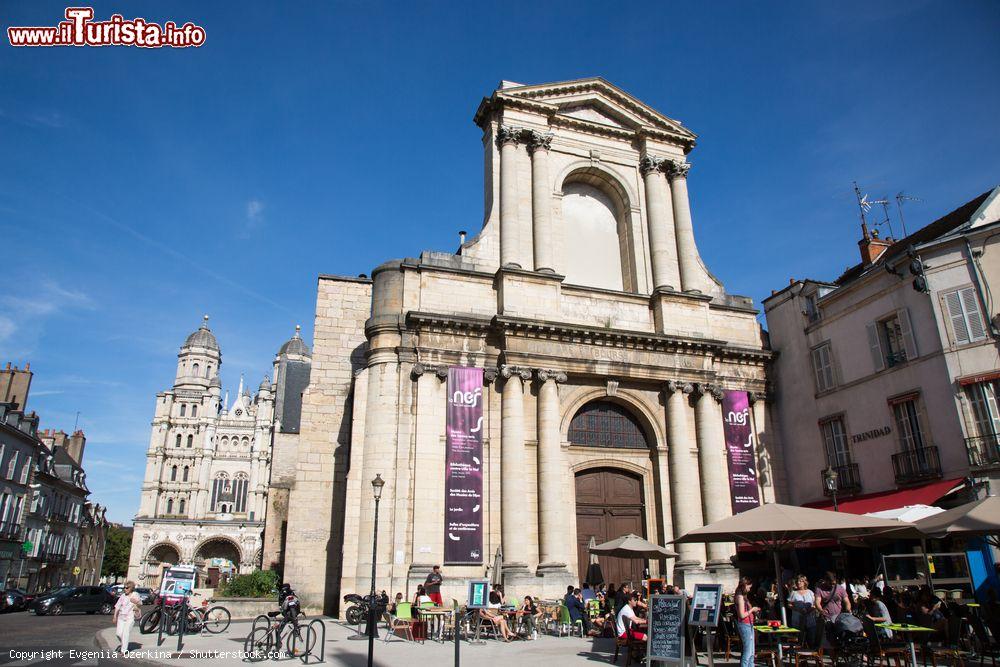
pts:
pixel 678 168
pixel 650 163
pixel 510 371
pixel 759 396
pixel 539 140
pixel 544 375
pixel 489 375
pixel 419 369
pixel 508 134
pixel 709 389
pixel 677 385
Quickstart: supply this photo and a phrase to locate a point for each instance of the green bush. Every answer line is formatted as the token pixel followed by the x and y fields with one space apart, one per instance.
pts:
pixel 259 584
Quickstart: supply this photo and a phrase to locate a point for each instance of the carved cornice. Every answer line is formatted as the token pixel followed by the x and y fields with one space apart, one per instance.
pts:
pixel 678 385
pixel 544 375
pixel 678 169
pixel 709 389
pixel 509 134
pixel 539 140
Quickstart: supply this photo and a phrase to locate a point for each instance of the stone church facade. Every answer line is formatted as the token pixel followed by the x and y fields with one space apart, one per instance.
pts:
pixel 605 345
pixel 206 491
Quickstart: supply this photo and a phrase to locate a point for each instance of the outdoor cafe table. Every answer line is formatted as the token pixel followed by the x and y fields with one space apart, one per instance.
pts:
pixel 775 634
pixel 909 630
pixel 437 614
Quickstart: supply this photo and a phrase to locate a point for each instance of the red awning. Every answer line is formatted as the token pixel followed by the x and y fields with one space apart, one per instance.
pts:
pixel 926 494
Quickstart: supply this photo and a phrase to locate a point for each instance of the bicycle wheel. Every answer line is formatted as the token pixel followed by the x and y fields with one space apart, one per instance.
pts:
pixel 257 646
pixel 217 620
pixel 299 641
pixel 149 621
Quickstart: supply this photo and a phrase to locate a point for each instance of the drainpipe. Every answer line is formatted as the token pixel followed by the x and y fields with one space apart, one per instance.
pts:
pixel 979 291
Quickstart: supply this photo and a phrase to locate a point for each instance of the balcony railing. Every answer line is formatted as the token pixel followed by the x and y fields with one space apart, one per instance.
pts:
pixel 983 451
pixel 848 479
pixel 10 530
pixel 916 465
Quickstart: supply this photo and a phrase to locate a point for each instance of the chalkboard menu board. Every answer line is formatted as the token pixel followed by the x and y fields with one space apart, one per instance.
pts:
pixel 665 632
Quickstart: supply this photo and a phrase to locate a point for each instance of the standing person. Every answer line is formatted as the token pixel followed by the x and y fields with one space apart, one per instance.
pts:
pixel 745 614
pixel 433 585
pixel 126 613
pixel 802 602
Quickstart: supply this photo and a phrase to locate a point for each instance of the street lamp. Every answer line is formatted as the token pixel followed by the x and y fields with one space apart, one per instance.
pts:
pixel 830 482
pixel 377 485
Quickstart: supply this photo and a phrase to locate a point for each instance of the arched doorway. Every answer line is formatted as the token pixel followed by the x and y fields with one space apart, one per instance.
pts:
pixel 159 558
pixel 217 559
pixel 609 504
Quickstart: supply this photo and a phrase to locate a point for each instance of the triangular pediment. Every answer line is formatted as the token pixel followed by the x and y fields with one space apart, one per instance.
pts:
pixel 595 100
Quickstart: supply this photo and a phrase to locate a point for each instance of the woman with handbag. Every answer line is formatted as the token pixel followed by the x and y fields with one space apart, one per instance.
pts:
pixel 126 613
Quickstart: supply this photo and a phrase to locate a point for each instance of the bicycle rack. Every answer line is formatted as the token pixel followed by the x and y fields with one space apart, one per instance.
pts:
pixel 311 642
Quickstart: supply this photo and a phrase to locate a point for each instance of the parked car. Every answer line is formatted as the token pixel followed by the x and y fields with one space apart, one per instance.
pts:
pixel 69 599
pixel 146 595
pixel 15 599
pixel 115 589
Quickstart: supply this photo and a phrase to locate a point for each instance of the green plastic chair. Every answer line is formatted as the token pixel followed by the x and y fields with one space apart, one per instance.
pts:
pixel 402 619
pixel 593 609
pixel 566 623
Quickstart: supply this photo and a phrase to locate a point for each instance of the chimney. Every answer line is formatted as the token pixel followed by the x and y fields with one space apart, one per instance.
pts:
pixel 75 445
pixel 872 247
pixel 14 385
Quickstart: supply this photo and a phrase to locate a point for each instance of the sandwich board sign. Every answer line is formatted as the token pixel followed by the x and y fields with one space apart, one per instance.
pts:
pixel 479 593
pixel 665 629
pixel 706 605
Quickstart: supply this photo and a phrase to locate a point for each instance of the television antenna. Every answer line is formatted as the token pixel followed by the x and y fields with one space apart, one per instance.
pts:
pixel 900 198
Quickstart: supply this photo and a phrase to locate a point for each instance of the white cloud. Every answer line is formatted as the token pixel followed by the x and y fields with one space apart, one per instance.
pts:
pixel 254 219
pixel 25 315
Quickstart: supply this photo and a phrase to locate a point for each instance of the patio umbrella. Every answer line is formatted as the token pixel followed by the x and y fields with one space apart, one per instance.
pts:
pixel 632 546
pixel 496 575
pixel 775 526
pixel 978 518
pixel 594 574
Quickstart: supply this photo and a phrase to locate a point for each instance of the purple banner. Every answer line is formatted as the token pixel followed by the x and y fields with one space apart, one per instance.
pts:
pixel 463 523
pixel 740 451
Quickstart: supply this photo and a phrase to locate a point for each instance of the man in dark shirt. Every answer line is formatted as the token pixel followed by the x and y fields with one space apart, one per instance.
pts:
pixel 577 610
pixel 432 585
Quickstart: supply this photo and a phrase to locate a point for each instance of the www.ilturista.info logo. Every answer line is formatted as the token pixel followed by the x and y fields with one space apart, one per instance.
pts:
pixel 79 29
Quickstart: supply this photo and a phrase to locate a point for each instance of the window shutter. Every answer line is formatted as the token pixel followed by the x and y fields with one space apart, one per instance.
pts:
pixel 957 317
pixel 974 319
pixel 24 473
pixel 906 330
pixel 878 361
pixel 818 368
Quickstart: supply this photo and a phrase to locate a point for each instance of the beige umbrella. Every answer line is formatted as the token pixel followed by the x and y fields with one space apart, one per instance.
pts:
pixel 774 526
pixel 980 517
pixel 632 546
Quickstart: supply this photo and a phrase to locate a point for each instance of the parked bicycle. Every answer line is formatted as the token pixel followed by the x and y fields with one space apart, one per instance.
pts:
pixel 280 630
pixel 213 620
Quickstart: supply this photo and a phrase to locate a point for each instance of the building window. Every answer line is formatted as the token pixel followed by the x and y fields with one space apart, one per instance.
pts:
pixel 190 441
pixel 194 410
pixel 242 485
pixel 812 308
pixel 180 508
pixel 246 442
pixel 984 397
pixel 12 466
pixel 606 424
pixel 186 471
pixel 891 340
pixel 195 369
pixel 910 423
pixel 170 506
pixel 222 491
pixel 838 451
pixel 173 474
pixel 177 442
pixel 964 315
pixel 183 410
pixel 822 360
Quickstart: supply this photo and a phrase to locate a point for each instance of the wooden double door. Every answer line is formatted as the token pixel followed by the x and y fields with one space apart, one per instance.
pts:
pixel 609 504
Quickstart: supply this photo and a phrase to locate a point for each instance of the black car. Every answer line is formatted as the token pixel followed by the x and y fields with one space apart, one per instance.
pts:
pixel 15 599
pixel 89 599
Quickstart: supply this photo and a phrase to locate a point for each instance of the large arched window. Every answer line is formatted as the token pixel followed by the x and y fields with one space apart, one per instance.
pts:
pixel 593 247
pixel 606 424
pixel 240 492
pixel 222 492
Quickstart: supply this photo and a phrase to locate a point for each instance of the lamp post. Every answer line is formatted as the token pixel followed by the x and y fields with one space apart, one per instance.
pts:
pixel 830 482
pixel 377 485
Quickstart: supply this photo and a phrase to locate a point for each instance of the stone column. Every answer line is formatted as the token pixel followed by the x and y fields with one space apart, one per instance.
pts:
pixel 687 252
pixel 663 474
pixel 713 466
pixel 552 538
pixel 660 219
pixel 512 472
pixel 541 204
pixel 685 491
pixel 510 231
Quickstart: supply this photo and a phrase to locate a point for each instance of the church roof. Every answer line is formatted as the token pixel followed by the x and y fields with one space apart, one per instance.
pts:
pixel 203 337
pixel 295 345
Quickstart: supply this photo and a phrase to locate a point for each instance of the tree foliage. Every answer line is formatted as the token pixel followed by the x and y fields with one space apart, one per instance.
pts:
pixel 117 546
pixel 258 584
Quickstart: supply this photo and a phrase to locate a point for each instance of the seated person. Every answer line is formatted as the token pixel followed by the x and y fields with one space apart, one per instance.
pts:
pixel 577 610
pixel 421 592
pixel 530 615
pixel 492 615
pixel 390 610
pixel 877 612
pixel 638 625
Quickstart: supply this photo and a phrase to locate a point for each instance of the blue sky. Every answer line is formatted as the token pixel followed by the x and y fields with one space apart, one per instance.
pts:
pixel 142 188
